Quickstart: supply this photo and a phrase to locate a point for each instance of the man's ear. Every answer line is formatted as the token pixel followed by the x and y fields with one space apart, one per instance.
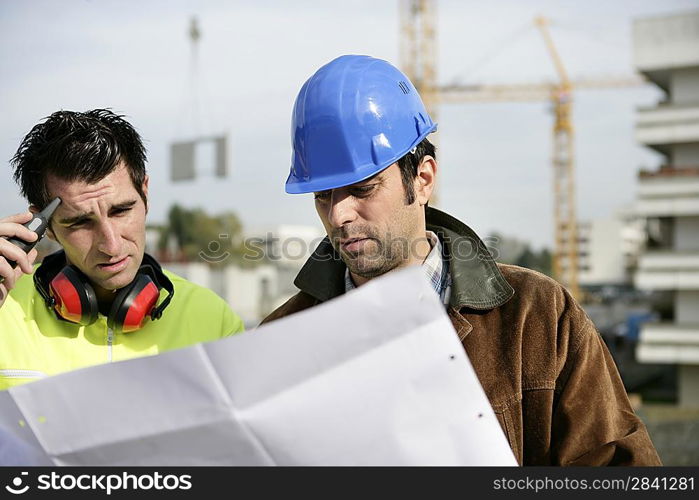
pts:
pixel 144 189
pixel 426 179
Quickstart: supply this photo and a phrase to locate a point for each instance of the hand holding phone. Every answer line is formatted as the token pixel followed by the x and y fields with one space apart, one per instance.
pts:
pixel 19 234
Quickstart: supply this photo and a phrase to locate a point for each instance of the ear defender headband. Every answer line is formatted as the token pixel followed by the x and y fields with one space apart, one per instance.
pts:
pixel 67 291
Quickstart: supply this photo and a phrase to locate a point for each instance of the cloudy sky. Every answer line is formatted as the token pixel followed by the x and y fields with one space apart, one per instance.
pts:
pixel 135 57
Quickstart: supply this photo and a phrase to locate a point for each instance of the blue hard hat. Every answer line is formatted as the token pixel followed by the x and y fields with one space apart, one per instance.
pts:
pixel 354 117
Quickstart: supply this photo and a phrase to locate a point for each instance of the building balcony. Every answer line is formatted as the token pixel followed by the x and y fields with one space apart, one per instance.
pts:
pixel 668 271
pixel 668 192
pixel 668 124
pixel 668 343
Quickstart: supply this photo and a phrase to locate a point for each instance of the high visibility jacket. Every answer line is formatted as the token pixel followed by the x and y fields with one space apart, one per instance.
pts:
pixel 34 343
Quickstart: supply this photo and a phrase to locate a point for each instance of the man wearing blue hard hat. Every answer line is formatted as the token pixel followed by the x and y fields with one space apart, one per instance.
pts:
pixel 360 145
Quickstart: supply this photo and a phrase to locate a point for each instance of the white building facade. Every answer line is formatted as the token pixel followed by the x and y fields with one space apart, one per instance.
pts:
pixel 608 249
pixel 276 256
pixel 666 51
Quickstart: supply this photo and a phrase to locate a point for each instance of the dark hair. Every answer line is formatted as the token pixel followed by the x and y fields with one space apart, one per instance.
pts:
pixel 72 145
pixel 408 167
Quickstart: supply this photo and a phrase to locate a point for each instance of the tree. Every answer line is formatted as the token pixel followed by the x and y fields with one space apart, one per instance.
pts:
pixel 196 236
pixel 514 251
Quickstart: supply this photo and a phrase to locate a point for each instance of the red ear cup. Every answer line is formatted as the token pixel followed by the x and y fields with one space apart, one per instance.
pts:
pixel 68 292
pixel 75 299
pixel 133 305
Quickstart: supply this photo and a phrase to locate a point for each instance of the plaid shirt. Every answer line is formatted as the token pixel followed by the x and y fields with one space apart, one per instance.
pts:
pixel 435 266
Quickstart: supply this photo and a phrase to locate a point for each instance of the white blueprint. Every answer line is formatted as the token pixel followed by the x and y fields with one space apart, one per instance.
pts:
pixel 375 377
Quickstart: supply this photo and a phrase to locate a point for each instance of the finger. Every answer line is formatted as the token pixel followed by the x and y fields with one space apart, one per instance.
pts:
pixel 26 265
pixel 7 274
pixel 20 218
pixel 18 271
pixel 31 256
pixel 11 252
pixel 12 229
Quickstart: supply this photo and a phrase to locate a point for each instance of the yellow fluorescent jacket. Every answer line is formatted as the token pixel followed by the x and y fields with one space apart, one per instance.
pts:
pixel 34 343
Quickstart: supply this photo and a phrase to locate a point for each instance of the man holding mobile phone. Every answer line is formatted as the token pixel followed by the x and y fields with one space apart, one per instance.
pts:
pixel 101 298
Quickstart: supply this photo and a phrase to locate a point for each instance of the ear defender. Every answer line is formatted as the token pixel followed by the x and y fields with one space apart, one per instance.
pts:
pixel 68 292
pixel 73 297
pixel 133 305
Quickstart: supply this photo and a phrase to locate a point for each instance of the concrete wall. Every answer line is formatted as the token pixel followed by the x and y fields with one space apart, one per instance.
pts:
pixel 686 155
pixel 666 49
pixel 683 85
pixel 604 253
pixel 686 310
pixel 251 292
pixel 666 41
pixel 686 234
pixel 688 385
pixel 610 245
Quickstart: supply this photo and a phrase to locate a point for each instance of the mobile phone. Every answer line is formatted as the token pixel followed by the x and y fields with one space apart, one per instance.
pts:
pixel 38 225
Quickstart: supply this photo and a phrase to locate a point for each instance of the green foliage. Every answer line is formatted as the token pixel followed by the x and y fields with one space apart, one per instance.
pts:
pixel 539 261
pixel 193 235
pixel 513 251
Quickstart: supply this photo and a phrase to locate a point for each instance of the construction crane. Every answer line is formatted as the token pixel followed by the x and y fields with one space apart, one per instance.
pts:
pixel 564 218
pixel 418 51
pixel 418 56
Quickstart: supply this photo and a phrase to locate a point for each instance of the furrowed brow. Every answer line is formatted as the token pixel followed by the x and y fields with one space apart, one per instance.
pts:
pixel 81 217
pixel 67 221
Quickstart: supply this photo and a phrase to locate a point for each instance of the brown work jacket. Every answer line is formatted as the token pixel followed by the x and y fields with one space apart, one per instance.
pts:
pixel 546 371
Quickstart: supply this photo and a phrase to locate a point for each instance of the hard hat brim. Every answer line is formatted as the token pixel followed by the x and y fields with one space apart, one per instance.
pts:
pixel 294 186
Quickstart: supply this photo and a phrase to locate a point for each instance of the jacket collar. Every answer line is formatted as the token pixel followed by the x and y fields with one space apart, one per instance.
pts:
pixel 477 283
